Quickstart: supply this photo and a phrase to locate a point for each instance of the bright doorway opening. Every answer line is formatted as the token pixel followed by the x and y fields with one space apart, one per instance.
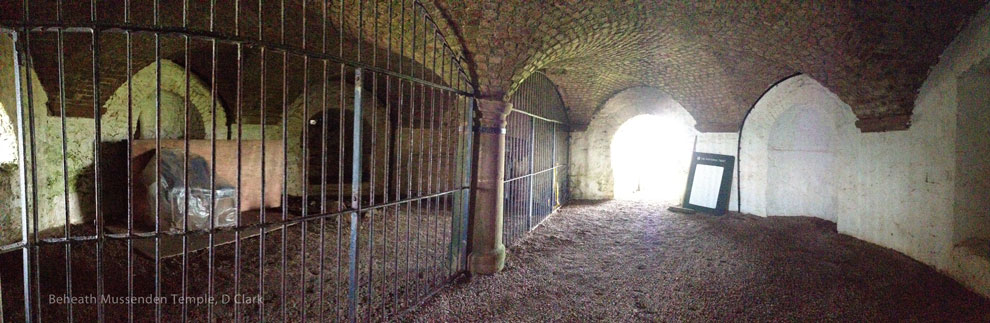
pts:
pixel 651 157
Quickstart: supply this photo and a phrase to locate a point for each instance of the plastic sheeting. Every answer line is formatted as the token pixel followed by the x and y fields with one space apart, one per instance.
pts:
pixel 178 191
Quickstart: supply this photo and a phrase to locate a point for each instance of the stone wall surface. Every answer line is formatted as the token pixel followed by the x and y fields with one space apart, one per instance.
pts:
pixel 901 190
pixel 800 181
pixel 972 205
pixel 56 194
pixel 591 174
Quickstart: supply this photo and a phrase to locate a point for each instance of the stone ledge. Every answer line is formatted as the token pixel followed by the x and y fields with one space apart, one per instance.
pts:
pixel 882 124
pixel 970 265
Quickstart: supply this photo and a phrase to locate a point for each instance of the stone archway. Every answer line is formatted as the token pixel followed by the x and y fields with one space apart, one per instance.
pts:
pixel 591 172
pixel 173 88
pixel 373 116
pixel 788 146
pixel 651 158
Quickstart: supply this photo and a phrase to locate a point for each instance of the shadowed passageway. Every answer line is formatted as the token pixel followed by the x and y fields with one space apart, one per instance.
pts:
pixel 622 261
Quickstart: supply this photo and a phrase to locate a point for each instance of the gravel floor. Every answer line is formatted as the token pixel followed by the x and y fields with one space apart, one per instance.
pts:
pixel 634 261
pixel 411 254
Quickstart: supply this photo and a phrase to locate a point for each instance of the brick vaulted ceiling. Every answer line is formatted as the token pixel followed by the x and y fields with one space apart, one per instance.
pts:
pixel 715 57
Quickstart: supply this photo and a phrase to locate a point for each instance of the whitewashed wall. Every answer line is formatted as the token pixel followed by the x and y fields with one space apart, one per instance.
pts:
pixel 791 140
pixel 895 189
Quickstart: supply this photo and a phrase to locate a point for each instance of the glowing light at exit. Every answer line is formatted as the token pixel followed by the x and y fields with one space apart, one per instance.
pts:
pixel 651 156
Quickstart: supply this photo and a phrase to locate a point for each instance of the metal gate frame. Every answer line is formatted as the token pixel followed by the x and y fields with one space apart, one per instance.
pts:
pixel 532 119
pixel 461 90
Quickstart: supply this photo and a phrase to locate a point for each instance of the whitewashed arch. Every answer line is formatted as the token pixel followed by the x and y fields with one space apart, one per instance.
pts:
pixel 800 92
pixel 591 171
pixel 173 88
pixel 373 114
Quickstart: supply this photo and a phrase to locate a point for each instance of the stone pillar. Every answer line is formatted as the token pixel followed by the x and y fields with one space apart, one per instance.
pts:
pixel 487 251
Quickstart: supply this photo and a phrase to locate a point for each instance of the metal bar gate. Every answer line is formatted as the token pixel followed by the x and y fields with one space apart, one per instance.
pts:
pixel 229 160
pixel 536 156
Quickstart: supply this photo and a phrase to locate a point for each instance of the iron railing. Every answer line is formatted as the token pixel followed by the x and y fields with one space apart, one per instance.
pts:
pixel 536 155
pixel 345 124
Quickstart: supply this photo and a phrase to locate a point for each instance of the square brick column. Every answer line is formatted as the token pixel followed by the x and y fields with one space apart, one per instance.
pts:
pixel 487 255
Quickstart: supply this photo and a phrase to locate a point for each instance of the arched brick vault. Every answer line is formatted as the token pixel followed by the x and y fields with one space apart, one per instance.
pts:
pixel 715 57
pixel 428 63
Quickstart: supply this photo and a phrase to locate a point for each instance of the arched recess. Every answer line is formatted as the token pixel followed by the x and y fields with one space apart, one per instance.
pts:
pixel 792 142
pixel 375 121
pixel 143 94
pixel 592 176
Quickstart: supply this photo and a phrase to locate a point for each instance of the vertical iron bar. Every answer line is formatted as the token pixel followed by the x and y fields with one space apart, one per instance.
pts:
pixel 22 163
pixel 409 170
pixel 355 197
pixel 434 173
pixel 399 155
pixel 185 166
pixel 65 168
pixel 468 140
pixel 34 190
pixel 130 179
pixel 420 240
pixel 456 169
pixel 213 169
pixel 553 163
pixel 323 158
pixel 240 162
pixel 304 181
pixel 532 171
pixel 431 172
pixel 285 167
pixel 387 163
pixel 285 179
pixel 323 174
pixel 371 180
pixel 262 106
pixel 96 172
pixel 340 159
pixel 158 165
